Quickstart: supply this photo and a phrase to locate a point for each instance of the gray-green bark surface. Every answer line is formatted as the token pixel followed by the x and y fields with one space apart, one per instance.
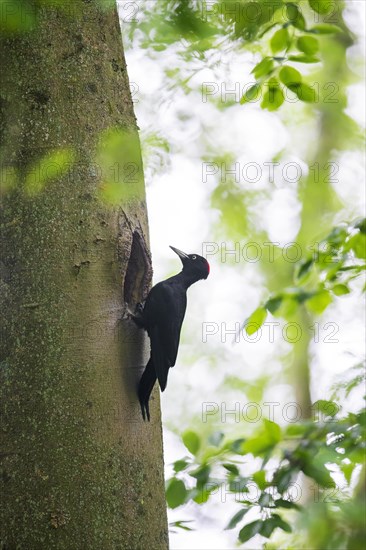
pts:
pixel 80 469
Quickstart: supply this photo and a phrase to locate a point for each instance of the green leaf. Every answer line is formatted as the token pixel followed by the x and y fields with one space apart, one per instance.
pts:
pixel 273 98
pixel 239 484
pixel 299 22
pixel 361 225
pixel 283 478
pixel 288 307
pixel 159 47
pixel 288 504
pixel 340 290
pixel 308 44
pixel 273 304
pixel 250 530
pixel 304 92
pixel 251 94
pixel 236 446
pixel 192 441
pixel 263 68
pixel 180 465
pixel 296 430
pixel 319 474
pixel 265 500
pixel 264 440
pixel 307 94
pixel 289 76
pixel 236 518
pixel 299 295
pixel 337 236
pixel 303 269
pixel 321 6
pixel 281 524
pixel 181 525
pixel 176 493
pixel 268 526
pixel 273 429
pixel 201 474
pixel 232 468
pixel 319 302
pixel 295 16
pixel 325 28
pixel 328 408
pixel 255 321
pixel 347 470
pixel 260 479
pixel 304 59
pixel 313 464
pixel 280 40
pixel 202 492
pixel 358 244
pixel 247 24
pixel 267 29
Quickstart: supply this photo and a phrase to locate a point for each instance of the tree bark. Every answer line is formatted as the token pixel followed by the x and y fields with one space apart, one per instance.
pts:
pixel 80 469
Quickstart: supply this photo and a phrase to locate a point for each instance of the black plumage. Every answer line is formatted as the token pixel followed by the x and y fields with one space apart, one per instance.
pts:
pixel 162 317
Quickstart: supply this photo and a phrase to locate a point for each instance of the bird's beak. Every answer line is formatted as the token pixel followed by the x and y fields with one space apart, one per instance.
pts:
pixel 183 256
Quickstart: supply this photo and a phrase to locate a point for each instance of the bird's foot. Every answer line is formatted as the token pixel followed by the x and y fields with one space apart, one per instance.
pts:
pixel 137 317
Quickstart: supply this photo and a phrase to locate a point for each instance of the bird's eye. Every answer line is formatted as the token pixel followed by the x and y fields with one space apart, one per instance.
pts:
pixel 194 257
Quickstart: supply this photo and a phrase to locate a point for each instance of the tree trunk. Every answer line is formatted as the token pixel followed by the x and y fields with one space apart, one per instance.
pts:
pixel 80 469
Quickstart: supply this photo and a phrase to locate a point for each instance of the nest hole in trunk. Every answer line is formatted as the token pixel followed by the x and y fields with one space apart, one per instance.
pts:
pixel 139 272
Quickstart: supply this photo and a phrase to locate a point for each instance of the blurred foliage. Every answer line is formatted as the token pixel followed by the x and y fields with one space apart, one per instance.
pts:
pixel 284 31
pixel 118 160
pixel 54 164
pixel 39 172
pixel 328 448
pixel 326 272
pixel 156 158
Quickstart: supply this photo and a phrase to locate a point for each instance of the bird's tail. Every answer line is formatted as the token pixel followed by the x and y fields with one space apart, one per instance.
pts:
pixel 145 388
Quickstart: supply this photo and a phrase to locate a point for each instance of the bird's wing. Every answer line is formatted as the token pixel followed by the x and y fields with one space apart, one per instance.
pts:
pixel 165 311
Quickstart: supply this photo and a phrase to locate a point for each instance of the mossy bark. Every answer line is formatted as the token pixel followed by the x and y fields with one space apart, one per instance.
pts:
pixel 80 469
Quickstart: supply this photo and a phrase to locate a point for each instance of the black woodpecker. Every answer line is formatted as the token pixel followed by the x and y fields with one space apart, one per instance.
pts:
pixel 162 317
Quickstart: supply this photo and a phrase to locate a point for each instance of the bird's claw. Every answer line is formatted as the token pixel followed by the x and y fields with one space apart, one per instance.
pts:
pixel 128 314
pixel 139 308
pixel 138 316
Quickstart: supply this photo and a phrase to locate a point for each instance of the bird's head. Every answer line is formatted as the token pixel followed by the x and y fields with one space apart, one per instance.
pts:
pixel 193 264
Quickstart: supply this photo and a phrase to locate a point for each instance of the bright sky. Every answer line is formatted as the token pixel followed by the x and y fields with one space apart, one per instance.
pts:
pixel 179 215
